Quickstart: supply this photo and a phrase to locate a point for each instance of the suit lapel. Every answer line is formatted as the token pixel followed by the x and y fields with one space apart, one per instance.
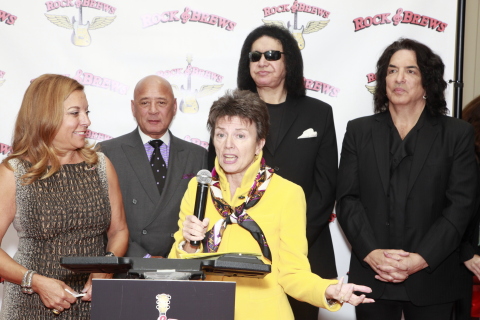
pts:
pixel 425 139
pixel 136 155
pixel 380 136
pixel 288 119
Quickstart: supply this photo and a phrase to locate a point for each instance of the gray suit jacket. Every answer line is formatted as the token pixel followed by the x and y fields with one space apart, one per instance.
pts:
pixel 151 218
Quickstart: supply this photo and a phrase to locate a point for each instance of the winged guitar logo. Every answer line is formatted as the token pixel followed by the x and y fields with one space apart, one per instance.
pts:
pixel 188 102
pixel 312 26
pixel 81 36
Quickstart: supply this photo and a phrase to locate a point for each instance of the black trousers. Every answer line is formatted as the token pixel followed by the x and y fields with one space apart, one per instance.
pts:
pixel 392 310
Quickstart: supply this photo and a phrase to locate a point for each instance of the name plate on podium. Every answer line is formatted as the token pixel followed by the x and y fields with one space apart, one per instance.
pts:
pixel 128 299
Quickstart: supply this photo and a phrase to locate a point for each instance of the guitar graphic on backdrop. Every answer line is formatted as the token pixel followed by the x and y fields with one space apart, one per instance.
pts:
pixel 81 36
pixel 312 26
pixel 297 33
pixel 189 103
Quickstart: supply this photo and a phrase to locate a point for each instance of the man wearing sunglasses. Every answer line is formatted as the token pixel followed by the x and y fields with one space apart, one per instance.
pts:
pixel 270 55
pixel 301 145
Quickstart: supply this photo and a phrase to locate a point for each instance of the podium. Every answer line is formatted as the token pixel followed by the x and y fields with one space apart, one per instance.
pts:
pixel 163 289
pixel 130 299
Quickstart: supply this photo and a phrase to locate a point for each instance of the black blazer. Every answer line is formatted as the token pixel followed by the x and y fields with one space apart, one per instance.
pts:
pixel 311 163
pixel 440 201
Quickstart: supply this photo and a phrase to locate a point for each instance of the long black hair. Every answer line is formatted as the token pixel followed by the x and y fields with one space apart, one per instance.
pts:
pixel 294 83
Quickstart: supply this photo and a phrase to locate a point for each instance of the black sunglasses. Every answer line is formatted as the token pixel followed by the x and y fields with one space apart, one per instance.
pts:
pixel 270 55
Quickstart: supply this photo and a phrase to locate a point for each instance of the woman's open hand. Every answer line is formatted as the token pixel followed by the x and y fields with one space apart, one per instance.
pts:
pixel 343 292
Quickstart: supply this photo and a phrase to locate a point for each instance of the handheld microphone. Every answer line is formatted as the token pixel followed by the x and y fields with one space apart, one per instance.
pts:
pixel 204 178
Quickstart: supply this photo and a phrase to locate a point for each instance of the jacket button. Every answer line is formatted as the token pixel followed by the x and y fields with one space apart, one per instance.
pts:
pixel 144 231
pixel 134 201
pixel 386 223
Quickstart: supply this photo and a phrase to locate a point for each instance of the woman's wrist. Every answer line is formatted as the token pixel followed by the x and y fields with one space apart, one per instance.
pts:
pixel 26 285
pixel 187 247
pixel 329 292
pixel 36 278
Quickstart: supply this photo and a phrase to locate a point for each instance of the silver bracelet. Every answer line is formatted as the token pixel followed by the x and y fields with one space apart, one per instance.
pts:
pixel 27 282
pixel 25 277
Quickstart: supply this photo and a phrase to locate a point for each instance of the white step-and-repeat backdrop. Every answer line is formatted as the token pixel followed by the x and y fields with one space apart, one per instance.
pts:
pixel 109 45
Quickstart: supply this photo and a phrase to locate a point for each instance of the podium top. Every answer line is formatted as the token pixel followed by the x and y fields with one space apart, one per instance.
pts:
pixel 237 265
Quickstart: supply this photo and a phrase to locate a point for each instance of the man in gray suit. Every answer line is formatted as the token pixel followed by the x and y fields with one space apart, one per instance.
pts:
pixel 152 213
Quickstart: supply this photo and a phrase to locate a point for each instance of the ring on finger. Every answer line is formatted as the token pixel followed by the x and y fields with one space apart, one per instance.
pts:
pixel 55 311
pixel 342 299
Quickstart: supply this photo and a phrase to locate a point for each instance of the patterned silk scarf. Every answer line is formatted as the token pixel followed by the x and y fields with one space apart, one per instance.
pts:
pixel 239 214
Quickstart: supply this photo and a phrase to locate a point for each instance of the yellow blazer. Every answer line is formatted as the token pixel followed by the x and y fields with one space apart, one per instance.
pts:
pixel 281 215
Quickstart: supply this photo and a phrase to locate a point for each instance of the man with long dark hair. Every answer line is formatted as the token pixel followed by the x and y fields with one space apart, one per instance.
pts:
pixel 406 190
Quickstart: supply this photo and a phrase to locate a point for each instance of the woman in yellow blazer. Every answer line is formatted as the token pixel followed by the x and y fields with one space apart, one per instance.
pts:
pixel 251 209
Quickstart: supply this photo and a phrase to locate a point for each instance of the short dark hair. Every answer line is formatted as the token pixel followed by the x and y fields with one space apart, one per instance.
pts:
pixel 471 114
pixel 431 68
pixel 243 104
pixel 294 82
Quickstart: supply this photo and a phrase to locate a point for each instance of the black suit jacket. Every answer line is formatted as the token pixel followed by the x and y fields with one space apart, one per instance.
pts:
pixel 440 201
pixel 311 163
pixel 152 218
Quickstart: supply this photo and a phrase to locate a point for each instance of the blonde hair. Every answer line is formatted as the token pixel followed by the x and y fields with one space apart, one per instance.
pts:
pixel 38 122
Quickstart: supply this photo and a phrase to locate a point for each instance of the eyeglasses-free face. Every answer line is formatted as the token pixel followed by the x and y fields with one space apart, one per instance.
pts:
pixel 271 55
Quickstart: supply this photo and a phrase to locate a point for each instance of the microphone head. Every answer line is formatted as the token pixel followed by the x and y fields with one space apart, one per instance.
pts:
pixel 204 176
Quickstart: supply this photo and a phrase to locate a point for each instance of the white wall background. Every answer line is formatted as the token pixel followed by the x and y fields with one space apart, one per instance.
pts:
pixel 132 39
pixel 471 69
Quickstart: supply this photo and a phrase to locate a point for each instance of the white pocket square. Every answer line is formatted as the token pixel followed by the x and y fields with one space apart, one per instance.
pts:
pixel 309 133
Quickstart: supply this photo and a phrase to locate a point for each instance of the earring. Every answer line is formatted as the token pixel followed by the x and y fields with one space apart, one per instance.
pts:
pixel 424 97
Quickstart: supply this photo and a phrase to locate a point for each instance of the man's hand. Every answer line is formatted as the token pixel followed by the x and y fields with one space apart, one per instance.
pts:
pixel 387 257
pixel 399 265
pixel 474 265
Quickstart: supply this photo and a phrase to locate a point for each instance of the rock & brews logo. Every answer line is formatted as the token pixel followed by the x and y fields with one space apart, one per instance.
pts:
pixel 295 28
pixel 163 304
pixel 401 16
pixel 7 18
pixel 90 79
pixel 318 86
pixel 188 15
pixel 197 141
pixel 80 35
pixel 371 77
pixel 5 150
pixel 187 96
